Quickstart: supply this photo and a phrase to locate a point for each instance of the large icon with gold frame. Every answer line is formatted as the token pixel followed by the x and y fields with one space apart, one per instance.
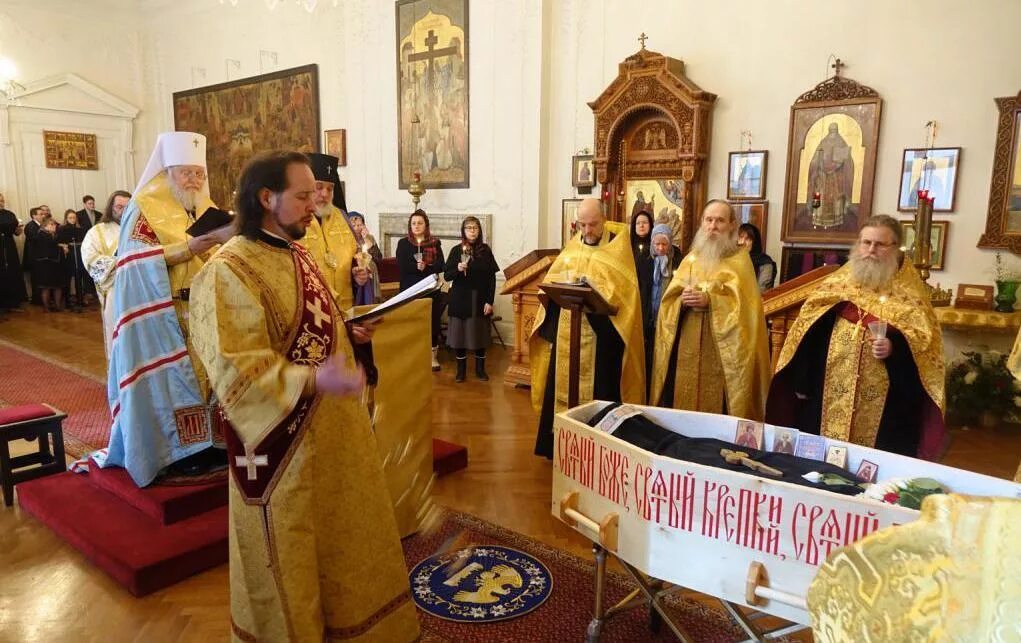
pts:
pixel 831 162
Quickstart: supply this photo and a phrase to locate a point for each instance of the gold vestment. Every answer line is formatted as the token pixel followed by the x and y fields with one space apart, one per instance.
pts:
pixel 609 267
pixel 722 353
pixel 951 575
pixel 315 555
pixel 856 383
pixel 168 220
pixel 333 245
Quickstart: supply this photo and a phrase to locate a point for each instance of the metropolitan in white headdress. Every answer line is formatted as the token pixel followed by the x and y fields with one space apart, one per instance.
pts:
pixel 158 390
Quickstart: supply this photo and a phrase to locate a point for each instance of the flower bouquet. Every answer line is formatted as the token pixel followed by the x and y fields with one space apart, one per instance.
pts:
pixel 906 492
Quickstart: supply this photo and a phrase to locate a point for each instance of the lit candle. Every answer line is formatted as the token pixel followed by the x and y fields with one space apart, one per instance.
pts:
pixel 691 269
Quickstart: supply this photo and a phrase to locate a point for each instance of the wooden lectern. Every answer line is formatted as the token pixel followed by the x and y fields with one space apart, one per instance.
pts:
pixel 523 279
pixel 783 304
pixel 579 299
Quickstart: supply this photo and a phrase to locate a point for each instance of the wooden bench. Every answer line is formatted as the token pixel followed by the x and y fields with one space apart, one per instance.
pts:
pixel 30 422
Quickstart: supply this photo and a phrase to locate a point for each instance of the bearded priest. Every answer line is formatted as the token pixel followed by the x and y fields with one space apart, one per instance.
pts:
pixel 711 351
pixel 314 548
pixel 612 353
pixel 157 389
pixel 863 362
pixel 331 240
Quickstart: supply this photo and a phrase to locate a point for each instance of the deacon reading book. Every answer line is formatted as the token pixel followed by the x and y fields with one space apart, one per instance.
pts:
pixel 211 219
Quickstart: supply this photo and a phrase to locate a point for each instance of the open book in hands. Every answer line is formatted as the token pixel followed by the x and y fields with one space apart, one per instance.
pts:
pixel 211 219
pixel 425 287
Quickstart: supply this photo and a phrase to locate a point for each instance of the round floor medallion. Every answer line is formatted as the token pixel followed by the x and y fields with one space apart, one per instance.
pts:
pixel 480 584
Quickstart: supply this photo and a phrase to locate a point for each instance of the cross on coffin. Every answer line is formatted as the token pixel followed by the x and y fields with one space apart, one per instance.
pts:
pixel 740 457
pixel 316 308
pixel 251 461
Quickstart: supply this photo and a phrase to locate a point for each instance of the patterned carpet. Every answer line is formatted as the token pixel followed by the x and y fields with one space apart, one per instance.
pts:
pixel 26 378
pixel 565 616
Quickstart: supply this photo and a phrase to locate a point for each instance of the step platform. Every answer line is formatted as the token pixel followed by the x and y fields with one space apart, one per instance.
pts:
pixel 138 551
pixel 166 504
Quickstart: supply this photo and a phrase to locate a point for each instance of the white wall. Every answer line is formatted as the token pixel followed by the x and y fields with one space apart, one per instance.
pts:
pixel 353 44
pixel 940 60
pixel 535 63
pixel 98 41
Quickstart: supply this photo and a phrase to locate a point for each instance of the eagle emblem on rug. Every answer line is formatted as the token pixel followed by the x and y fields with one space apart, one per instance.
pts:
pixel 480 584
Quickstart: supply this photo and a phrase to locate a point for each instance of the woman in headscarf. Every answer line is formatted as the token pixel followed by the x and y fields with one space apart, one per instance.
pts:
pixel 665 257
pixel 471 270
pixel 419 255
pixel 749 237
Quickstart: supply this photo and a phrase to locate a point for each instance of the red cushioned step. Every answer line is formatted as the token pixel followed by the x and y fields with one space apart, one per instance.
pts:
pixel 448 457
pixel 166 504
pixel 139 553
pixel 13 414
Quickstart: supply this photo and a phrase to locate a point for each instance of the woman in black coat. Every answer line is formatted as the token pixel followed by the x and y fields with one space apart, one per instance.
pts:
pixel 419 255
pixel 70 237
pixel 471 270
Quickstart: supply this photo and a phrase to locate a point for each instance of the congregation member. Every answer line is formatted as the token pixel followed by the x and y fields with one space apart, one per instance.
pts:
pixel 863 362
pixel 47 267
pixel 471 271
pixel 88 216
pixel 711 352
pixel 612 351
pixel 70 236
pixel 36 216
pixel 640 235
pixel 750 238
pixel 665 259
pixel 165 418
pixel 99 255
pixel 369 256
pixel 314 547
pixel 419 255
pixel 12 282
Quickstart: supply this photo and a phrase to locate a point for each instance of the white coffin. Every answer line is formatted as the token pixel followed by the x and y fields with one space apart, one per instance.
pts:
pixel 702 527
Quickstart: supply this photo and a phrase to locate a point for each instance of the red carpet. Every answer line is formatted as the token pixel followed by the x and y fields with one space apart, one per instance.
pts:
pixel 566 614
pixel 26 379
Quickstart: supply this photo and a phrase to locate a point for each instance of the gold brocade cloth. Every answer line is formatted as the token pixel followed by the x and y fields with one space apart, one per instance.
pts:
pixel 333 245
pixel 738 336
pixel 319 558
pixel 859 387
pixel 952 575
pixel 610 270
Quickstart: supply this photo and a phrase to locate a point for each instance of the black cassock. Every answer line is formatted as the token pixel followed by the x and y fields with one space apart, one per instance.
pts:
pixel 609 360
pixel 903 413
pixel 12 283
pixel 649 436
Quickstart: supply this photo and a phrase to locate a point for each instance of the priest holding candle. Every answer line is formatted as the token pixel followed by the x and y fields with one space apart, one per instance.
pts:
pixel 711 352
pixel 863 362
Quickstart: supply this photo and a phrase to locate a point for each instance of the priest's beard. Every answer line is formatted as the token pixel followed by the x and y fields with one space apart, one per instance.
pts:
pixel 294 231
pixel 187 198
pixel 711 251
pixel 873 273
pixel 325 210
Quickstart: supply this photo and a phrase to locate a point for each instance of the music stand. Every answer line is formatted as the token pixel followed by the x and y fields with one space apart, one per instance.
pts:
pixel 577 298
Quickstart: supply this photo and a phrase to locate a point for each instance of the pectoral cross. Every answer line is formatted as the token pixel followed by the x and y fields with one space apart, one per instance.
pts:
pixel 316 308
pixel 251 461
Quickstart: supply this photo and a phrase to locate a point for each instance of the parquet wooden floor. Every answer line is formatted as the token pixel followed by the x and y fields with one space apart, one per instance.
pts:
pixel 48 592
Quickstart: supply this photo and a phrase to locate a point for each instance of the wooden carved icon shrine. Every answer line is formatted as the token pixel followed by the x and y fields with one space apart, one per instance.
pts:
pixel 652 133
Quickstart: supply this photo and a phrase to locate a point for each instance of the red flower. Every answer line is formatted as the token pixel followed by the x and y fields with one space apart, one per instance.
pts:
pixel 891 497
